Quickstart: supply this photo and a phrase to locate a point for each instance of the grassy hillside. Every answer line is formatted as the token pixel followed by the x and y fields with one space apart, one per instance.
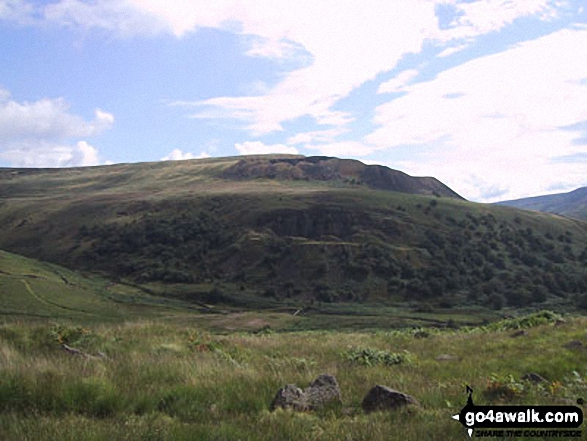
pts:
pixel 34 290
pixel 262 231
pixel 172 382
pixel 572 204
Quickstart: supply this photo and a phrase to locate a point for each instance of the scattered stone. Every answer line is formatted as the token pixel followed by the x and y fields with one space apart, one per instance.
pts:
pixel 323 391
pixel 289 397
pixel 385 398
pixel 574 344
pixel 447 357
pixel 520 333
pixel 534 377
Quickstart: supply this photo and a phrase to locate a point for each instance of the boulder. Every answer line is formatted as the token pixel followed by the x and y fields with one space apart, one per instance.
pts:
pixel 323 391
pixel 289 397
pixel 534 377
pixel 385 398
pixel 574 344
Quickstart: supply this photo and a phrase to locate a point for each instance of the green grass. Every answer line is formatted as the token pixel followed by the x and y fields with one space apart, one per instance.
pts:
pixel 170 381
pixel 32 289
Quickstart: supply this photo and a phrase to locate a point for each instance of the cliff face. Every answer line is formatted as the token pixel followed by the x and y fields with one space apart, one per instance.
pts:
pixel 347 171
pixel 313 223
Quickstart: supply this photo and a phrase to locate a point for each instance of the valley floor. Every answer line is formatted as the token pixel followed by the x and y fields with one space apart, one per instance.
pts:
pixel 158 380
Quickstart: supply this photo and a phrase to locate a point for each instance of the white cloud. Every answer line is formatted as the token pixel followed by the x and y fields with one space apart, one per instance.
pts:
pixel 499 117
pixel 397 83
pixel 452 50
pixel 321 136
pixel 84 154
pixel 178 155
pixel 280 49
pixel 47 119
pixel 484 16
pixel 343 148
pixel 348 42
pixel 259 148
pixel 46 154
pixel 119 17
pixel 16 10
pixel 39 134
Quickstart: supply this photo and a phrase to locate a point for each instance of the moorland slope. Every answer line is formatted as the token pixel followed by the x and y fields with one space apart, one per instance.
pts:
pixel 249 230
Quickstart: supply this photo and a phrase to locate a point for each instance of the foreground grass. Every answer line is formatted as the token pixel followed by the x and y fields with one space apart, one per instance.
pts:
pixel 162 381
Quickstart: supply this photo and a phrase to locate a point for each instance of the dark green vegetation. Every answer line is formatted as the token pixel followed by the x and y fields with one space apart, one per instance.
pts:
pixel 572 204
pixel 157 381
pixel 39 291
pixel 263 232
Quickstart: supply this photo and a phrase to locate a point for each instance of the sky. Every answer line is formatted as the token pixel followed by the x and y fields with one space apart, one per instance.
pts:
pixel 489 96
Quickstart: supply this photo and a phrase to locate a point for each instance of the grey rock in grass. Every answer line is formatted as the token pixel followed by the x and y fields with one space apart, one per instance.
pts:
pixel 290 397
pixel 520 333
pixel 323 391
pixel 386 398
pixel 534 377
pixel 574 344
pixel 447 357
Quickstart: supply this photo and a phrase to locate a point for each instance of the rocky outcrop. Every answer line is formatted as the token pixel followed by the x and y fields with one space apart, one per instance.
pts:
pixel 314 222
pixel 346 171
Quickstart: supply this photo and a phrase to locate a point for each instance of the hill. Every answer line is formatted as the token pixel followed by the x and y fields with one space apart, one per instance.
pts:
pixel 262 230
pixel 572 204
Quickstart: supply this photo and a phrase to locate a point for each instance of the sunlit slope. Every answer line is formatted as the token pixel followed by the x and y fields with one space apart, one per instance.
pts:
pixel 34 289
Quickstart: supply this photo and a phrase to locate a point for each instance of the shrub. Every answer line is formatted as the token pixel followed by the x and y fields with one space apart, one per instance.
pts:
pixel 503 388
pixel 528 321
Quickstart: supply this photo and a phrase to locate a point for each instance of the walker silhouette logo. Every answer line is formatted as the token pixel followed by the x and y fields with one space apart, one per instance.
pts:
pixel 507 418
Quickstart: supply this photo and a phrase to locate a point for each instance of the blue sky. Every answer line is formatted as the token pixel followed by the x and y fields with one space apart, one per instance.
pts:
pixel 489 96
